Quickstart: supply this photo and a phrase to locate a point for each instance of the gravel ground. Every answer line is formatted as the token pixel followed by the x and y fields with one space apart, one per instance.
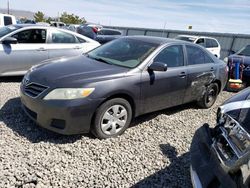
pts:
pixel 154 152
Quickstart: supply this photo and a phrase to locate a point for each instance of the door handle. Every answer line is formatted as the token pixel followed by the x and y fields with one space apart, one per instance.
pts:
pixel 77 47
pixel 212 69
pixel 182 74
pixel 41 49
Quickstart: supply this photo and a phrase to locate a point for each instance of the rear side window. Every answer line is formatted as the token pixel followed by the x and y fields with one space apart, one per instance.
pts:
pixel 172 56
pixel 197 56
pixel 31 36
pixel 211 43
pixel 108 32
pixel 7 20
pixel 63 37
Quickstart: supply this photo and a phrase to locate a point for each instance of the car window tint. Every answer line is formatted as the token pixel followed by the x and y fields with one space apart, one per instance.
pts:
pixel 7 20
pixel 31 36
pixel 63 37
pixel 201 41
pixel 172 56
pixel 208 59
pixel 195 55
pixel 210 43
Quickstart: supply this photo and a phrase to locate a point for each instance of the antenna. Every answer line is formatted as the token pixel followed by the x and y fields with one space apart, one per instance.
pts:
pixel 8 7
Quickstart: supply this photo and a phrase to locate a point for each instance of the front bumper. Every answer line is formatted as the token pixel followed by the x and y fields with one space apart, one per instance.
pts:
pixel 61 116
pixel 206 169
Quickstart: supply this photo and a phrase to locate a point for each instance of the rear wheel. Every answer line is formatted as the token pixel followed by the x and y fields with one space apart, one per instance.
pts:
pixel 112 118
pixel 210 96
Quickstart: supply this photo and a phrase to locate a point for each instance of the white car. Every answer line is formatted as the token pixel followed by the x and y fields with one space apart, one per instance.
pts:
pixel 23 46
pixel 211 44
pixel 7 19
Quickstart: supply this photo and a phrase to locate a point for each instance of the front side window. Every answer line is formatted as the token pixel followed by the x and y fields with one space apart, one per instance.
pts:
pixel 124 52
pixel 63 37
pixel 31 36
pixel 201 42
pixel 172 56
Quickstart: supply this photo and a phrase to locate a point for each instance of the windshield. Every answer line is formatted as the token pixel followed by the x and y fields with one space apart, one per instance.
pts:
pixel 188 39
pixel 244 51
pixel 7 29
pixel 124 52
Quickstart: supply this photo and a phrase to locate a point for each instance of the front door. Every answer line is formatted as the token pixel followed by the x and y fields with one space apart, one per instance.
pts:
pixel 165 89
pixel 16 59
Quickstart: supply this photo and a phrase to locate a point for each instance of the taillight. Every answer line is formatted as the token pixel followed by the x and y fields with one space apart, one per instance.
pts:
pixel 95 29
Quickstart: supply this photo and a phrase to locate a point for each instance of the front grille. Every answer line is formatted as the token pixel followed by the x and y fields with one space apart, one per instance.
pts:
pixel 34 89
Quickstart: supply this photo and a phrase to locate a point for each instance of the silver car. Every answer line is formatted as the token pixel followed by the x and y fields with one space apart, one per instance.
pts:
pixel 22 46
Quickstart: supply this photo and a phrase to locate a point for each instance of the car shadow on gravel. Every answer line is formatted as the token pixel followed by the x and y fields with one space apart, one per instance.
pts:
pixel 177 174
pixel 12 115
pixel 167 111
pixel 11 79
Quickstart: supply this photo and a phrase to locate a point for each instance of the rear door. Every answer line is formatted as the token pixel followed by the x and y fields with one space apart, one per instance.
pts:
pixel 64 44
pixel 200 72
pixel 30 50
pixel 165 89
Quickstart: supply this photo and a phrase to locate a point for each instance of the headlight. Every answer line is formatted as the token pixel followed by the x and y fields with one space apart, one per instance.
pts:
pixel 69 93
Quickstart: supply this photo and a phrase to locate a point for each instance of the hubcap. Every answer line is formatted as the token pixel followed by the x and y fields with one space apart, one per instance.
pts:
pixel 211 95
pixel 114 119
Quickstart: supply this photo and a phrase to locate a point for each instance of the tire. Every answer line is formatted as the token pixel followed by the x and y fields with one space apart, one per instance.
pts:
pixel 112 118
pixel 210 96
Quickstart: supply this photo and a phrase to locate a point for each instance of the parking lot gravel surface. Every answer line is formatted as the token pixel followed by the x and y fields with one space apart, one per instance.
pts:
pixel 153 152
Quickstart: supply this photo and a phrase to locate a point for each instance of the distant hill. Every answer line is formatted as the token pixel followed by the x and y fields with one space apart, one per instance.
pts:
pixel 19 13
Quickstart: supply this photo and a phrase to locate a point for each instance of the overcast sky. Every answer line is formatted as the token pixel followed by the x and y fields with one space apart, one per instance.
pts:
pixel 209 15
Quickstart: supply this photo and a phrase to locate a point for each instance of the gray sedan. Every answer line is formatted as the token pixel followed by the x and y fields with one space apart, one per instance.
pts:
pixel 22 46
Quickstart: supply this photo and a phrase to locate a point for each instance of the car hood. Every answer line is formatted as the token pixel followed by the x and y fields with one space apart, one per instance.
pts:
pixel 246 59
pixel 64 72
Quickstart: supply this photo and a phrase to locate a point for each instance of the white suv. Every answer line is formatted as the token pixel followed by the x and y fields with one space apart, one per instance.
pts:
pixel 211 44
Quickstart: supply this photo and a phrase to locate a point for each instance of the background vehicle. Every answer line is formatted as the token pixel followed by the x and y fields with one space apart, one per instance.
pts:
pixel 57 24
pixel 105 35
pixel 6 19
pixel 119 80
pixel 220 156
pixel 211 44
pixel 244 56
pixel 88 30
pixel 22 46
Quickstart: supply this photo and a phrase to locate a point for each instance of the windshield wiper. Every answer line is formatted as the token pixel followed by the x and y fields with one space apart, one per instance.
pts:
pixel 99 59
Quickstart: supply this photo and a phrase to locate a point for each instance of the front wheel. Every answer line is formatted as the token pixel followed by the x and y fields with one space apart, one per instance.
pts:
pixel 112 118
pixel 210 96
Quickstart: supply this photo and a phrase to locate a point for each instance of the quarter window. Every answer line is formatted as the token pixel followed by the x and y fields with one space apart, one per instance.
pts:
pixel 31 36
pixel 7 20
pixel 63 37
pixel 197 56
pixel 172 56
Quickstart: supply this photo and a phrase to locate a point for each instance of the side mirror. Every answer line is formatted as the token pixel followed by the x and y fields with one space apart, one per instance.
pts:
pixel 9 40
pixel 158 66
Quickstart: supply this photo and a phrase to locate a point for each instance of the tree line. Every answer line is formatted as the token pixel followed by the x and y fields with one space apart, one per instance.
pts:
pixel 64 17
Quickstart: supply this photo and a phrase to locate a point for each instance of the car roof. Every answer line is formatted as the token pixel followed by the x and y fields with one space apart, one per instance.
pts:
pixel 195 36
pixel 156 40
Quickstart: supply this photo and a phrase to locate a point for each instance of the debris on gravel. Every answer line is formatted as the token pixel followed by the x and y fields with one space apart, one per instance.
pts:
pixel 153 152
